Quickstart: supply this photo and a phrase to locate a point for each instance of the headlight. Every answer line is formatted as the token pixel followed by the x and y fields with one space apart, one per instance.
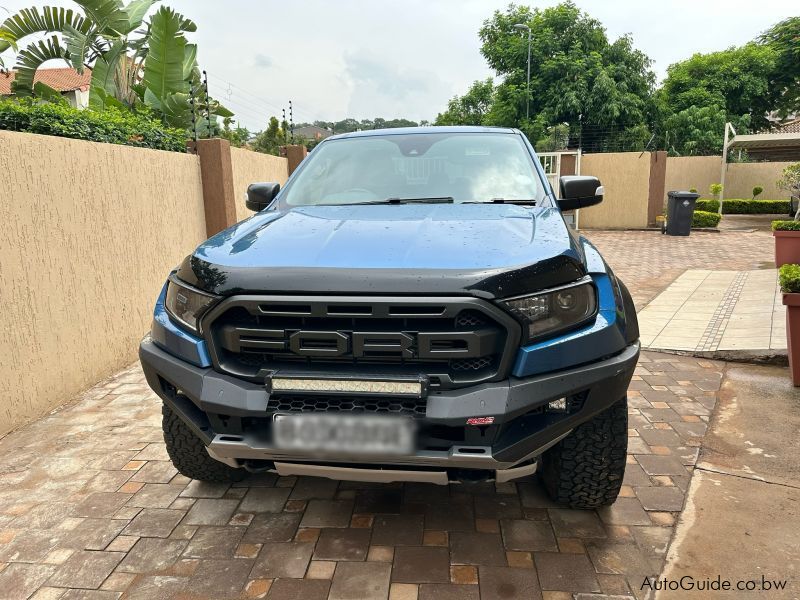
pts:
pixel 550 312
pixel 186 304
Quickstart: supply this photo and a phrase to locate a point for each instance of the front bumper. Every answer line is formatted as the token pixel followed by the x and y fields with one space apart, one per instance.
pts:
pixel 523 428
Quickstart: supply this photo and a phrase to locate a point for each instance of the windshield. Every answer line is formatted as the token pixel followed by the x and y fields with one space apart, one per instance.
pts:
pixel 467 167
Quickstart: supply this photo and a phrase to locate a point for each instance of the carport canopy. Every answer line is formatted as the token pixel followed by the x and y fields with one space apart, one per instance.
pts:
pixel 768 146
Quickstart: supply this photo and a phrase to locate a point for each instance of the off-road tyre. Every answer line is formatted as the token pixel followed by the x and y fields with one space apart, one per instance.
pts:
pixel 188 453
pixel 585 469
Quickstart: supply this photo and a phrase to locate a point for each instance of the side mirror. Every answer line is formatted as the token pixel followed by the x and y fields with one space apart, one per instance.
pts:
pixel 579 191
pixel 261 195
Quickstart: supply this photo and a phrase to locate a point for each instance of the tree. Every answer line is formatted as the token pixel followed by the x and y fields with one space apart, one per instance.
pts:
pixel 790 179
pixel 736 81
pixel 556 138
pixel 154 67
pixel 348 125
pixel 271 139
pixel 237 136
pixel 577 77
pixel 784 81
pixel 471 108
pixel 699 130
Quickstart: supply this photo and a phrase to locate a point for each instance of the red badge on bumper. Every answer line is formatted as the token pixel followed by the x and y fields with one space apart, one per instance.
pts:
pixel 480 420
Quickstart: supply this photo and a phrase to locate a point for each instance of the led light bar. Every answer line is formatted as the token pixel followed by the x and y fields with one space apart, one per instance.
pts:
pixel 288 384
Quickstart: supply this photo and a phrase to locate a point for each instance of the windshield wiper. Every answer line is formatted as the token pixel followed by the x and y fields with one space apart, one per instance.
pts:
pixel 520 201
pixel 433 200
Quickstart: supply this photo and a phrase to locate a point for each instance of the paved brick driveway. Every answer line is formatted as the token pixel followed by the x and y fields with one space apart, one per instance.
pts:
pixel 91 508
pixel 648 261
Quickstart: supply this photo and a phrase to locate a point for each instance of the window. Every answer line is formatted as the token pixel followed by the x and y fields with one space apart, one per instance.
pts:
pixel 469 167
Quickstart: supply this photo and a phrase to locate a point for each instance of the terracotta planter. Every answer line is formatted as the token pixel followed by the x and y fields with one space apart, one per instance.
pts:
pixel 792 303
pixel 787 247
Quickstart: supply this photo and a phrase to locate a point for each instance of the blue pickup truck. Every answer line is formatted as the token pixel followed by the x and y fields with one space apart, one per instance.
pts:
pixel 410 306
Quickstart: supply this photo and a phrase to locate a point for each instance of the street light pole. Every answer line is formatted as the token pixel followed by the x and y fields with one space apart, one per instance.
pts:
pixel 523 27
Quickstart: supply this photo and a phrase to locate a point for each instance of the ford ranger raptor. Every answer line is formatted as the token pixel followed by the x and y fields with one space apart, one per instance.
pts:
pixel 410 306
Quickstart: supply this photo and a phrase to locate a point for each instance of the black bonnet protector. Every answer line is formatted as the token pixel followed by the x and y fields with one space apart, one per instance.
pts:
pixel 486 283
pixel 488 251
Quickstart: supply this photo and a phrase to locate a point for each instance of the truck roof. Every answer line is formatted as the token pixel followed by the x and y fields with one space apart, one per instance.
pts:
pixel 427 129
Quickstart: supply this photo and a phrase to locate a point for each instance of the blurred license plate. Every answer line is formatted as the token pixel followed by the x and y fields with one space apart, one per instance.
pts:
pixel 344 434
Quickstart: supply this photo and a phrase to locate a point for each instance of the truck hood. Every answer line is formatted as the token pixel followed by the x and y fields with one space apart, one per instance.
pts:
pixel 485 250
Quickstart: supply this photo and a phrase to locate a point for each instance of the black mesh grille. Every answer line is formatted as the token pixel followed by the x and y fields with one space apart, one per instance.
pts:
pixel 471 364
pixel 348 404
pixel 469 318
pixel 454 344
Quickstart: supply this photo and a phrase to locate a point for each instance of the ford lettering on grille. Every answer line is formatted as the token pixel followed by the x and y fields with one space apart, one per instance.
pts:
pixel 423 345
pixel 452 341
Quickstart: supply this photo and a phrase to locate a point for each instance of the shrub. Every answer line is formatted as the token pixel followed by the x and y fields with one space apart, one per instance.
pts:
pixel 701 218
pixel 707 206
pixel 790 179
pixel 755 207
pixel 757 191
pixel 715 189
pixel 693 190
pixel 789 277
pixel 786 226
pixel 113 126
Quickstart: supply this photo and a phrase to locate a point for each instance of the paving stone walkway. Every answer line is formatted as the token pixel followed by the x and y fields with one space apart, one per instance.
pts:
pixel 709 311
pixel 648 261
pixel 90 507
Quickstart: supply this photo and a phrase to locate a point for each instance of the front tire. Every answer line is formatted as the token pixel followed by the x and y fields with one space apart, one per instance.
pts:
pixel 188 453
pixel 585 469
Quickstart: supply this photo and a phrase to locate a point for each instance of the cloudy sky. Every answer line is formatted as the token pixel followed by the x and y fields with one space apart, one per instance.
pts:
pixel 406 58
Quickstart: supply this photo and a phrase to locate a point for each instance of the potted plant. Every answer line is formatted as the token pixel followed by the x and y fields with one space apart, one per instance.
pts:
pixel 789 277
pixel 787 242
pixel 787 233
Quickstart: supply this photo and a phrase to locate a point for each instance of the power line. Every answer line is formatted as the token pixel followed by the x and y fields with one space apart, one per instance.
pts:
pixel 225 96
pixel 244 111
pixel 244 106
pixel 259 98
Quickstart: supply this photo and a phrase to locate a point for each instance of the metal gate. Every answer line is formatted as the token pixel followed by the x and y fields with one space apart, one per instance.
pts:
pixel 552 163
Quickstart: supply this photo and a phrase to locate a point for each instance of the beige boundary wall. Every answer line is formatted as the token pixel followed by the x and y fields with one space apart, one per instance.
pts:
pixel 685 172
pixel 637 183
pixel 89 232
pixel 251 167
pixel 742 177
pixel 626 179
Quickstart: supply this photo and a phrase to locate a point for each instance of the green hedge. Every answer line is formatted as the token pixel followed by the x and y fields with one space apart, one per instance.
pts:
pixel 111 126
pixel 786 226
pixel 755 207
pixel 745 207
pixel 701 218
pixel 789 277
pixel 707 205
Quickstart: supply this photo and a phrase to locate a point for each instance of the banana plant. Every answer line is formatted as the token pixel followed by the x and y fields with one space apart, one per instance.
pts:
pixel 171 74
pixel 80 39
pixel 133 61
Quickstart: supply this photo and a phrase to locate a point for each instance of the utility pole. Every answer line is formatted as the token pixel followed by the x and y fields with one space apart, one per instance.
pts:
pixel 523 27
pixel 728 130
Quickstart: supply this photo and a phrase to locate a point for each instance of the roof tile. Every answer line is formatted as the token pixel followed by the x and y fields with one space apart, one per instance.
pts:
pixel 63 79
